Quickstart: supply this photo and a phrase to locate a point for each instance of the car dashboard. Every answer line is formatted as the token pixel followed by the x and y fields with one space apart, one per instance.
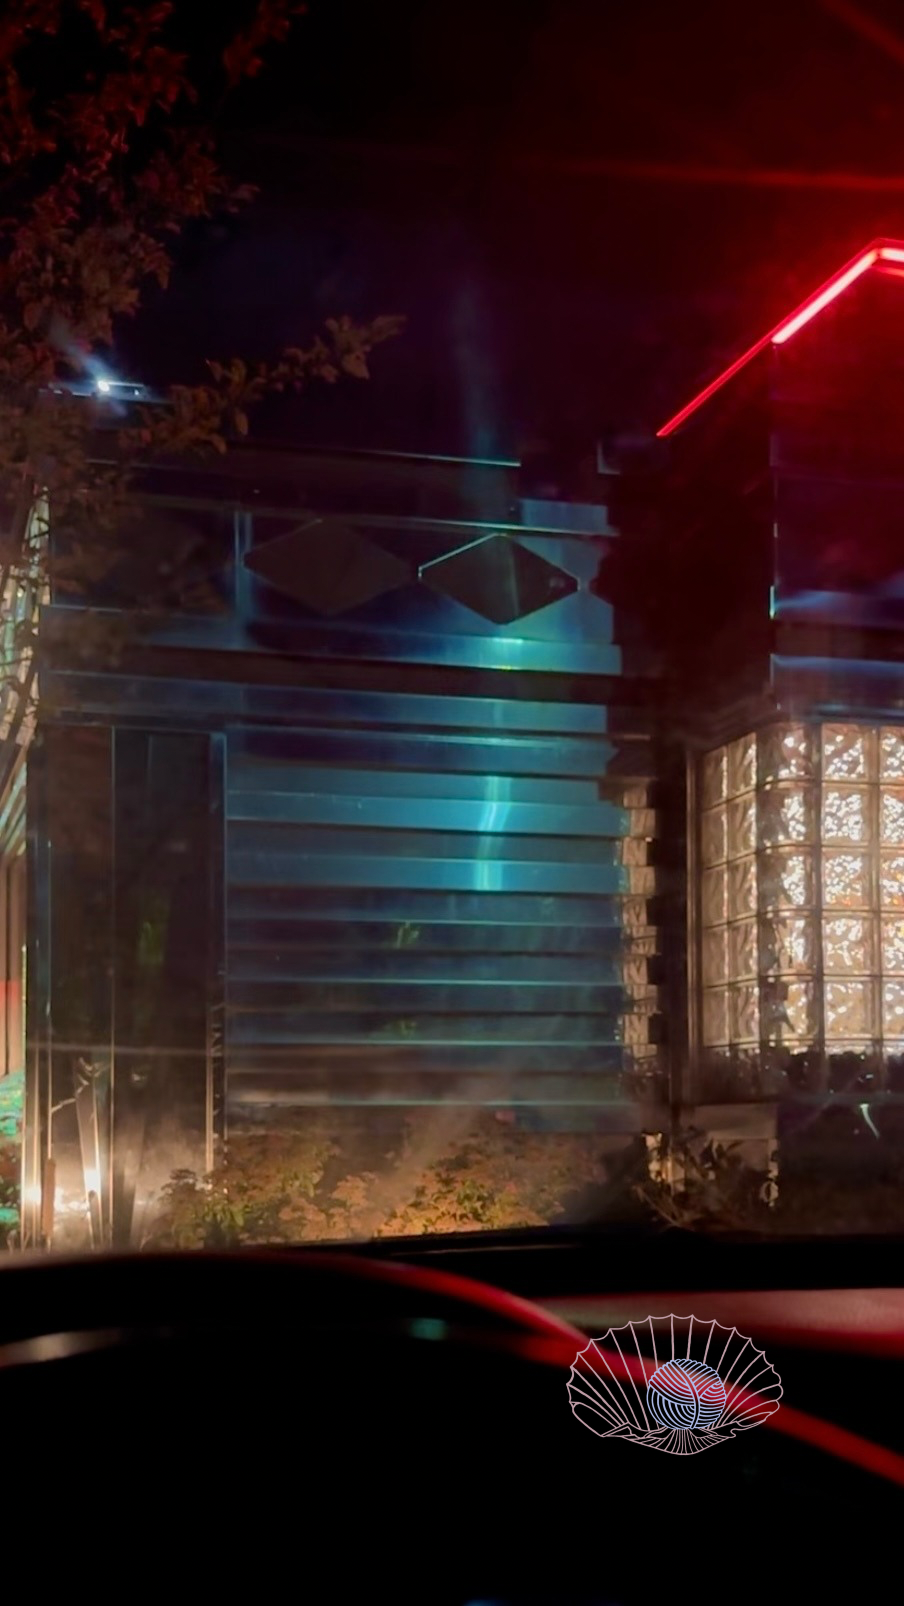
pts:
pixel 398 1418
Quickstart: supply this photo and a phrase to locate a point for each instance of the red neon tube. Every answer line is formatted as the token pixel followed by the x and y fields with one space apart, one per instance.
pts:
pixel 790 324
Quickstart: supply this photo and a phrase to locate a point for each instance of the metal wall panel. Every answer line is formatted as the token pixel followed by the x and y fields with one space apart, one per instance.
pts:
pixel 419 911
pixel 438 863
pixel 436 897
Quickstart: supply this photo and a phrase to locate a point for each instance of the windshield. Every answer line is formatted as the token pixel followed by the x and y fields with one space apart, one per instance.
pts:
pixel 451 751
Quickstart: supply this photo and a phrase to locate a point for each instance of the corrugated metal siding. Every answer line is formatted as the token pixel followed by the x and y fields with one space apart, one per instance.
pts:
pixel 430 909
pixel 434 896
pixel 437 865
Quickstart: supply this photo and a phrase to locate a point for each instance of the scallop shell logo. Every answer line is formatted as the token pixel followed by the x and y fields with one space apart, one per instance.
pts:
pixel 673 1383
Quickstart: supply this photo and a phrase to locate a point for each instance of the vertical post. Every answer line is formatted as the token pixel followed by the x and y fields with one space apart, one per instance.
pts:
pixel 15 1038
pixel 677 827
pixel 874 848
pixel 215 1123
pixel 817 917
pixel 48 1200
pixel 108 1154
pixel 694 1036
pixel 39 1042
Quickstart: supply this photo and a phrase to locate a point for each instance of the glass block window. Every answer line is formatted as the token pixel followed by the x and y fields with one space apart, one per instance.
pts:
pixel 801 892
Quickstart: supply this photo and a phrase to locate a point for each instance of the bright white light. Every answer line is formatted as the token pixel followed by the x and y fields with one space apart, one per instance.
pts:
pixel 104 386
pixel 69 1204
pixel 92 1180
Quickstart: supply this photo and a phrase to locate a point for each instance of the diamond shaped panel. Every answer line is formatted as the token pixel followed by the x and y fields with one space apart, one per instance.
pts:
pixel 327 566
pixel 499 579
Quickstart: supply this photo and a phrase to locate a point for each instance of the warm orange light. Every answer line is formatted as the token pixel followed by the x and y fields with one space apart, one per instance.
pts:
pixel 783 331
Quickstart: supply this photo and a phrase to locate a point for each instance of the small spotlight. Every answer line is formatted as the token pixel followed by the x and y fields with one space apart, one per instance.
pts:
pixel 104 386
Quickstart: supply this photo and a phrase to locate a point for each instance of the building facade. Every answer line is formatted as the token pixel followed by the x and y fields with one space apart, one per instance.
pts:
pixel 366 826
pixel 796 851
pixel 438 787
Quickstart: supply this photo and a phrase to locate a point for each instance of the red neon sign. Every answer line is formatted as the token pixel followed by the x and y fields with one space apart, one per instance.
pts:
pixel 791 323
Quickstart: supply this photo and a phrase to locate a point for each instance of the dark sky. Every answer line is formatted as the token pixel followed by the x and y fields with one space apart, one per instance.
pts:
pixel 583 207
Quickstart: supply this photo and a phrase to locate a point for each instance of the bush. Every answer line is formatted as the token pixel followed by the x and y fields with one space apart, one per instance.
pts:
pixel 831 1180
pixel 297 1186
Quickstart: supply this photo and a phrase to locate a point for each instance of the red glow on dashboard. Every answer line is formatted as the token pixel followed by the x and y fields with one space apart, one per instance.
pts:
pixel 791 323
pixel 822 1435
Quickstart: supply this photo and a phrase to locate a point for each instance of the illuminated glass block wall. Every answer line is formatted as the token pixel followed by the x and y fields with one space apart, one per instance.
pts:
pixel 801 896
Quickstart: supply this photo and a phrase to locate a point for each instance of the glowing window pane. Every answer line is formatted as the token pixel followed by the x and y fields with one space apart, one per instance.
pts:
pixel 844 752
pixel 791 960
pixel 786 880
pixel 784 815
pixel 891 748
pixel 845 815
pixel 713 836
pixel 742 950
pixel 715 1016
pixel 742 825
pixel 892 816
pixel 892 881
pixel 785 754
pixel 715 956
pixel 845 880
pixel 848 1008
pixel 741 888
pixel 742 766
pixel 893 945
pixel 714 897
pixel 714 778
pixel 893 1008
pixel 744 1013
pixel 800 1009
pixel 848 945
pixel 788 943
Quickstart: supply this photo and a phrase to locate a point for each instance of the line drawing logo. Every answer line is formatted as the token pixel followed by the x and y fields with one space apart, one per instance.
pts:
pixel 673 1383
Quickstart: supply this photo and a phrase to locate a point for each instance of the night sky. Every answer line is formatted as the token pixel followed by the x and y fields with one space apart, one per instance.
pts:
pixel 584 208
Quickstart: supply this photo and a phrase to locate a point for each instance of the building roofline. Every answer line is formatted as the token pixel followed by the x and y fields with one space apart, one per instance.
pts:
pixel 809 308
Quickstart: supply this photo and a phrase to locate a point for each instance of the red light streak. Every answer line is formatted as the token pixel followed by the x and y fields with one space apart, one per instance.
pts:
pixel 790 324
pixel 710 390
pixel 861 1321
pixel 829 293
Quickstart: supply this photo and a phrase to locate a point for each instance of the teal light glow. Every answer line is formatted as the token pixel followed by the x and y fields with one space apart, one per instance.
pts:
pixel 428 1328
pixel 12 1099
